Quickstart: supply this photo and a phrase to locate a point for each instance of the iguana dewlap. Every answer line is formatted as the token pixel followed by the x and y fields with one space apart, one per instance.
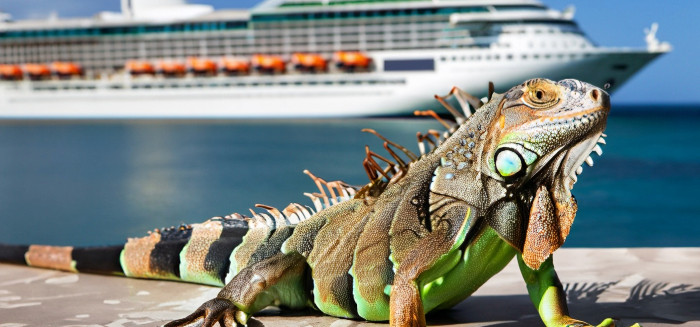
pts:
pixel 424 234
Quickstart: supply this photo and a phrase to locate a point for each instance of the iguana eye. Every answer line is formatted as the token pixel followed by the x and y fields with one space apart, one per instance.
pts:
pixel 509 163
pixel 541 98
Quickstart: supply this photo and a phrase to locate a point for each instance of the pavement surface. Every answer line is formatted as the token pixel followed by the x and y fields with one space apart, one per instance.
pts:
pixel 652 286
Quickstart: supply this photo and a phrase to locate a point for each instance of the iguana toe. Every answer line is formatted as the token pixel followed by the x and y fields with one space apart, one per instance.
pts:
pixel 212 311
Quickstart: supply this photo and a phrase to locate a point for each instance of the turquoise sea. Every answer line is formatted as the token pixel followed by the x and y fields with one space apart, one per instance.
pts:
pixel 96 183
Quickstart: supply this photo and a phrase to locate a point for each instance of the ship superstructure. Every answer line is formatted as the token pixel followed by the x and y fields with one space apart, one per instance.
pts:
pixel 294 57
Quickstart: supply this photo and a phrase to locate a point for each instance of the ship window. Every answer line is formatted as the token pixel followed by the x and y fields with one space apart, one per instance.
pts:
pixel 409 64
pixel 155 29
pixel 446 10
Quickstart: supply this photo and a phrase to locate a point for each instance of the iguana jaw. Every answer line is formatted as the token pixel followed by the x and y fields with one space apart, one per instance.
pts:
pixel 573 163
pixel 565 164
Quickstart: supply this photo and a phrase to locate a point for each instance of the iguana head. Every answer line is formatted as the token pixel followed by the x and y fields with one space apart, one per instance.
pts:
pixel 546 128
pixel 515 160
pixel 540 134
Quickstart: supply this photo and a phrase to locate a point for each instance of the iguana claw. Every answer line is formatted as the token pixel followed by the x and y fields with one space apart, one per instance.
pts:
pixel 212 311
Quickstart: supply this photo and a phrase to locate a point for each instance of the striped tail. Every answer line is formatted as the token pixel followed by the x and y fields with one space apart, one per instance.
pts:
pixel 208 253
pixel 101 260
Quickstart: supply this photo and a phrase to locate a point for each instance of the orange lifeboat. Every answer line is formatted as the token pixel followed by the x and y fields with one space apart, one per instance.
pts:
pixel 351 60
pixel 140 67
pixel 37 71
pixel 10 72
pixel 235 66
pixel 269 64
pixel 66 69
pixel 309 62
pixel 171 68
pixel 201 66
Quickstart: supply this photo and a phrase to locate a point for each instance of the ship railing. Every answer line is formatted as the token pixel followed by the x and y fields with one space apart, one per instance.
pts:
pixel 222 82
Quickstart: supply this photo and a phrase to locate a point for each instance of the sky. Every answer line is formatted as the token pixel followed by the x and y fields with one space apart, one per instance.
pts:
pixel 672 79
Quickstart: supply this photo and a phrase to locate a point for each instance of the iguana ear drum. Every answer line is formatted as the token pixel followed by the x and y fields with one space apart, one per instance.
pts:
pixel 509 164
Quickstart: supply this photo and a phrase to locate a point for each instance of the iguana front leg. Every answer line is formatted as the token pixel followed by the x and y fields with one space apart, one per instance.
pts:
pixel 277 280
pixel 547 294
pixel 428 255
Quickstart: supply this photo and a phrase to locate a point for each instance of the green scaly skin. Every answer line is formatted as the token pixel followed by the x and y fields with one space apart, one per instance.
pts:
pixel 422 235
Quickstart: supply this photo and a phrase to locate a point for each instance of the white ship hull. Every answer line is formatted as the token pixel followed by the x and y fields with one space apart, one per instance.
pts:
pixel 306 95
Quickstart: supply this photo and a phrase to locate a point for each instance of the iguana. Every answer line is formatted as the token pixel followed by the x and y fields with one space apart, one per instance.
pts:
pixel 424 234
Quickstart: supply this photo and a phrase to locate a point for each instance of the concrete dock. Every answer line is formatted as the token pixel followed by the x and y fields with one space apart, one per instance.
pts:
pixel 652 286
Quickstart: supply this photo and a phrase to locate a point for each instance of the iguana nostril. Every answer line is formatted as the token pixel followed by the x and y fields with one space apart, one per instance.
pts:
pixel 595 94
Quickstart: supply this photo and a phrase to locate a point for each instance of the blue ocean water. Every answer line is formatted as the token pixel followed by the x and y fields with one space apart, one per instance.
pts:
pixel 97 183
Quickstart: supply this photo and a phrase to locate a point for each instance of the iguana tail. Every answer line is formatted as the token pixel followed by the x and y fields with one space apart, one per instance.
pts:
pixel 208 253
pixel 103 259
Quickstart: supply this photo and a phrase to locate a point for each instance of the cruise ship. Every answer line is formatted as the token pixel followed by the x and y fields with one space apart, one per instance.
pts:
pixel 293 58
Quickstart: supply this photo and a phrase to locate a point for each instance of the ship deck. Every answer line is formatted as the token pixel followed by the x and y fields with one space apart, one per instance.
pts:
pixel 652 286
